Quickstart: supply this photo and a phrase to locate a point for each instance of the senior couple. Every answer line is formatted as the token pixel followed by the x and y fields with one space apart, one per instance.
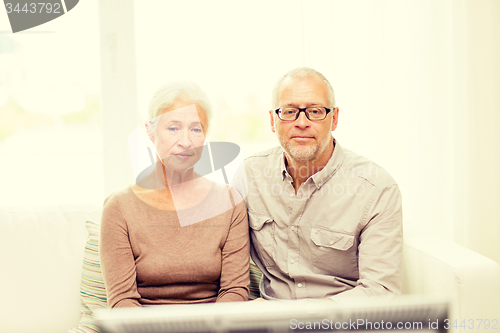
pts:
pixel 318 220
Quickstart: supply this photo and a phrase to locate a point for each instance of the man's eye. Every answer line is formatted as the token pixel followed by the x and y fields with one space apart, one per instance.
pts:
pixel 315 111
pixel 173 129
pixel 289 111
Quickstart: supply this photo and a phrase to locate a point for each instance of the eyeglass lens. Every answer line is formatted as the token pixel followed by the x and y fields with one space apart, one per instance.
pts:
pixel 316 113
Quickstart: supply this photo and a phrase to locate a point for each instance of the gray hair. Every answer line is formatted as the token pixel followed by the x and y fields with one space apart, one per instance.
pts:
pixel 302 72
pixel 172 92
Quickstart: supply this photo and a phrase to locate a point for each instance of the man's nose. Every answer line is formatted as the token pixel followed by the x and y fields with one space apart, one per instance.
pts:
pixel 302 121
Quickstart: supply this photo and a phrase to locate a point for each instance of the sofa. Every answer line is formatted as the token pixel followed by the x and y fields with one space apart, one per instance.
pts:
pixel 50 273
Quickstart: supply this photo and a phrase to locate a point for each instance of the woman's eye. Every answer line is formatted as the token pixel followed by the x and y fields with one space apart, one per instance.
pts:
pixel 172 129
pixel 197 130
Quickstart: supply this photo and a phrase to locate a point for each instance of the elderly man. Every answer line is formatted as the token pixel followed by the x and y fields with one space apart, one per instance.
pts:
pixel 324 221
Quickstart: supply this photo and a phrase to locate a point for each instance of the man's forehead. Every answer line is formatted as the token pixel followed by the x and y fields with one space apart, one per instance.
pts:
pixel 300 87
pixel 302 78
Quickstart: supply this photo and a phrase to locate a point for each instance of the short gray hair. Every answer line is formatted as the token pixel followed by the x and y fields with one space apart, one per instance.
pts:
pixel 302 72
pixel 172 92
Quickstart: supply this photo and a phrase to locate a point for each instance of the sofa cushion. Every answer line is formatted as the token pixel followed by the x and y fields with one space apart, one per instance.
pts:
pixel 42 250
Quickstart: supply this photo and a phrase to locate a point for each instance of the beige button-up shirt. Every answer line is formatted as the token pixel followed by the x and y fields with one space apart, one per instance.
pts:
pixel 339 236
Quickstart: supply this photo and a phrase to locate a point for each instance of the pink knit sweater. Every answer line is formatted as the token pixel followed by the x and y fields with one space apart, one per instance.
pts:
pixel 148 258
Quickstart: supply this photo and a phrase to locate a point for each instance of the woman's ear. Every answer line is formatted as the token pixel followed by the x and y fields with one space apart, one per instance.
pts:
pixel 150 131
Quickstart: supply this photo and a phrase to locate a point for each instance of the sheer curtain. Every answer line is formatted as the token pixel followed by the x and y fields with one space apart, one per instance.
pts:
pixel 417 84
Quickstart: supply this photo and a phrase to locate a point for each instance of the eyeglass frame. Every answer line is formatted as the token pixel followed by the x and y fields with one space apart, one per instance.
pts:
pixel 328 110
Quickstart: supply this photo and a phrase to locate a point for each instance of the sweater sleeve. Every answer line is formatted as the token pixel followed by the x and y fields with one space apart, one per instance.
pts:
pixel 117 259
pixel 234 279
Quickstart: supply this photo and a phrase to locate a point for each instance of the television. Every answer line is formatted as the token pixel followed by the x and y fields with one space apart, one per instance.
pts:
pixel 403 313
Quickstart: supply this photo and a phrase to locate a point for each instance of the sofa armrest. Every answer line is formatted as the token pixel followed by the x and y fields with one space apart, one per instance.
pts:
pixel 471 281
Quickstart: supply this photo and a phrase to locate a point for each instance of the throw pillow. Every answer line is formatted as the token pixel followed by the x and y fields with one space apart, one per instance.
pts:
pixel 255 276
pixel 92 289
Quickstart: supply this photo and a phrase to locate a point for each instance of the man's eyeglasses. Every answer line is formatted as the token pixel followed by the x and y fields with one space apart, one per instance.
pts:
pixel 314 113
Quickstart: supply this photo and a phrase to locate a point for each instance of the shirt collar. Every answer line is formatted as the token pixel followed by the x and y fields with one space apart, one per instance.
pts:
pixel 334 163
pixel 319 178
pixel 283 169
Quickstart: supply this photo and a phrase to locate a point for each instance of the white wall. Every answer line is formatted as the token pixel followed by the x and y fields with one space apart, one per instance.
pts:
pixel 482 100
pixel 417 83
pixel 418 86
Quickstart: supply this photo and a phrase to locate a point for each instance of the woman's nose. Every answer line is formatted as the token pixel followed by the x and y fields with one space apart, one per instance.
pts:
pixel 184 139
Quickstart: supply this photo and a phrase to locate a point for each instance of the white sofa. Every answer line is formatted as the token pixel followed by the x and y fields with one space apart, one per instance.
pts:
pixel 43 250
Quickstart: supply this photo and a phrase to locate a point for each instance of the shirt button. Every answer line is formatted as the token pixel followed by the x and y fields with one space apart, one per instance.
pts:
pixel 331 242
pixel 292 228
pixel 292 261
pixel 292 195
pixel 299 285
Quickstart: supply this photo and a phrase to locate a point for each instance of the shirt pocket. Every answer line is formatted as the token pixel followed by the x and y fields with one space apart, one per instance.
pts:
pixel 262 235
pixel 332 239
pixel 334 253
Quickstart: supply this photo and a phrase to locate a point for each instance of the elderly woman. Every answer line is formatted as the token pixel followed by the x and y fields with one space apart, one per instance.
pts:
pixel 174 236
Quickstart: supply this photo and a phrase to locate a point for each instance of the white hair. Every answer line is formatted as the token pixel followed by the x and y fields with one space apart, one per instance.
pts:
pixel 302 72
pixel 172 92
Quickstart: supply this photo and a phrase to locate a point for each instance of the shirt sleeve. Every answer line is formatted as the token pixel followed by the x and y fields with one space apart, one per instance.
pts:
pixel 234 279
pixel 117 259
pixel 380 248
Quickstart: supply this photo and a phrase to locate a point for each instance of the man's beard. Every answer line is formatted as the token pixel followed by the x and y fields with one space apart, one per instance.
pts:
pixel 301 153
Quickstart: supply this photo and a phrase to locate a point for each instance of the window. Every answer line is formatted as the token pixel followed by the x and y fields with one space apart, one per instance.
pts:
pixel 50 135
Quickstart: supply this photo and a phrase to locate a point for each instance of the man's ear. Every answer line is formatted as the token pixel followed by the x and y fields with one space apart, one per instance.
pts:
pixel 335 118
pixel 271 114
